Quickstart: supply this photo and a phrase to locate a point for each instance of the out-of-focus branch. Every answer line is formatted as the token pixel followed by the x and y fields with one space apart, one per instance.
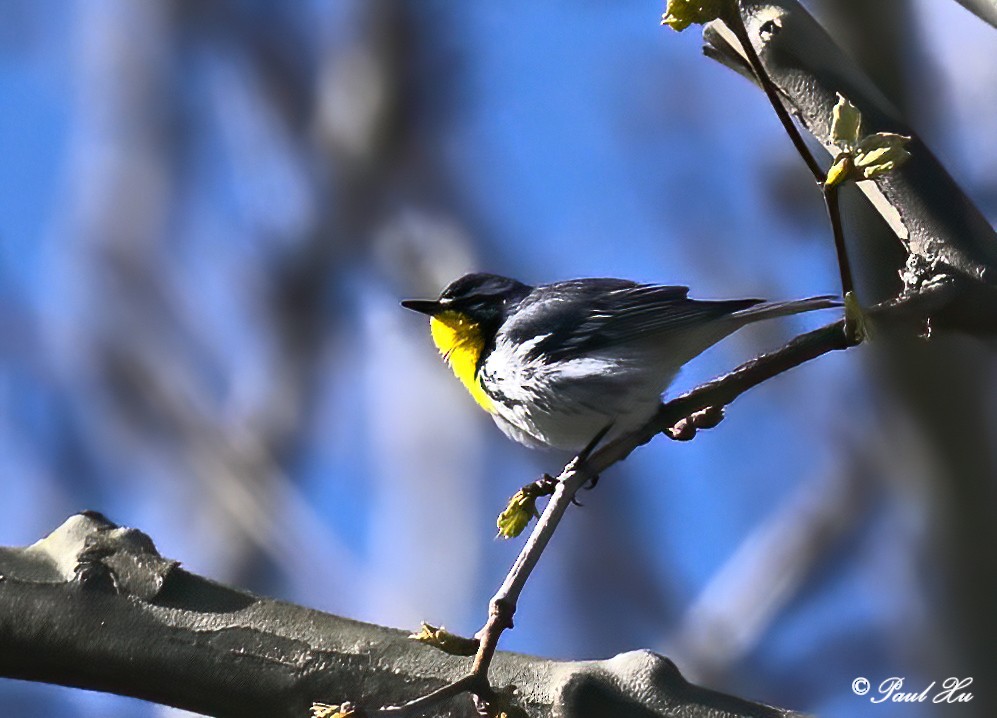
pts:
pixel 986 10
pixel 744 597
pixel 95 606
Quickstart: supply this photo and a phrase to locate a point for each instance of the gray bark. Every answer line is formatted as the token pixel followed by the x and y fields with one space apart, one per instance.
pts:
pixel 94 605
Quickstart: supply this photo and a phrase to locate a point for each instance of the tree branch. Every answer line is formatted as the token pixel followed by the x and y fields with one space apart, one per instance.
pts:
pixel 94 606
pixel 945 235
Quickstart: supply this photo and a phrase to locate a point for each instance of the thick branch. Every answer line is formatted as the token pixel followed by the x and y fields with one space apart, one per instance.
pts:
pixel 94 606
pixel 945 234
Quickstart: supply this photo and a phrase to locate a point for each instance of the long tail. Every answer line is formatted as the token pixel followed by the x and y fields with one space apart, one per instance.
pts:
pixel 768 310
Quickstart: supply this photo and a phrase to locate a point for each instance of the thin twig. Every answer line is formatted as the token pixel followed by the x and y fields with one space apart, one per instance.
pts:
pixel 736 23
pixel 502 607
pixel 834 214
pixel 722 391
pixel 417 706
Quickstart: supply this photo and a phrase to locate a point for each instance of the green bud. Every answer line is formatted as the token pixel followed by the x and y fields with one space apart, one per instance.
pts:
pixel 441 638
pixel 856 323
pixel 516 517
pixel 846 122
pixel 880 153
pixel 344 710
pixel 680 14
pixel 841 170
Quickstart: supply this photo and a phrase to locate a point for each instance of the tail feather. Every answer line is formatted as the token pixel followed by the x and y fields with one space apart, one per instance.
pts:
pixel 769 310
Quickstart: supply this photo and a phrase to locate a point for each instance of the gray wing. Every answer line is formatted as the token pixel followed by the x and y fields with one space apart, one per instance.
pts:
pixel 583 316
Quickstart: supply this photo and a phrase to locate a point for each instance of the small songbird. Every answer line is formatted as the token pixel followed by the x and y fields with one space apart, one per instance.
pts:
pixel 559 364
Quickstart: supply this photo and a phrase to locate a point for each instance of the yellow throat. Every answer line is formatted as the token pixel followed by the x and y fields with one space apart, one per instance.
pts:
pixel 461 342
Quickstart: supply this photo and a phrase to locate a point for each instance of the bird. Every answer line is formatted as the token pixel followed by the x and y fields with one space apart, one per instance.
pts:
pixel 560 365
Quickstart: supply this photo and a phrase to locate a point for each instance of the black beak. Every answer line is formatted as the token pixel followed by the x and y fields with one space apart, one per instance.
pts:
pixel 423 306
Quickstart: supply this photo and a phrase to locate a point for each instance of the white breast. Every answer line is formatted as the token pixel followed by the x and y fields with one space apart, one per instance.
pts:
pixel 565 404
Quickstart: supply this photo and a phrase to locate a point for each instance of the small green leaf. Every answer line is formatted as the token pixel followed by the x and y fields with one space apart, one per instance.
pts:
pixel 856 324
pixel 861 158
pixel 325 710
pixel 451 643
pixel 522 507
pixel 841 170
pixel 846 122
pixel 680 14
pixel 880 153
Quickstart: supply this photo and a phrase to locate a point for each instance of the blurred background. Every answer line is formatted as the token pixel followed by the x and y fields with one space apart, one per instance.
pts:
pixel 209 212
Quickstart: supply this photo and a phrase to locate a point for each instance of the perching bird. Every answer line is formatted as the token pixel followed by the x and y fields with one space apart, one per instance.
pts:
pixel 559 364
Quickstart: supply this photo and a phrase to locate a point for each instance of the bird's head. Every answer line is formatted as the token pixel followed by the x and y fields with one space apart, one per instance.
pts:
pixel 483 299
pixel 464 321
